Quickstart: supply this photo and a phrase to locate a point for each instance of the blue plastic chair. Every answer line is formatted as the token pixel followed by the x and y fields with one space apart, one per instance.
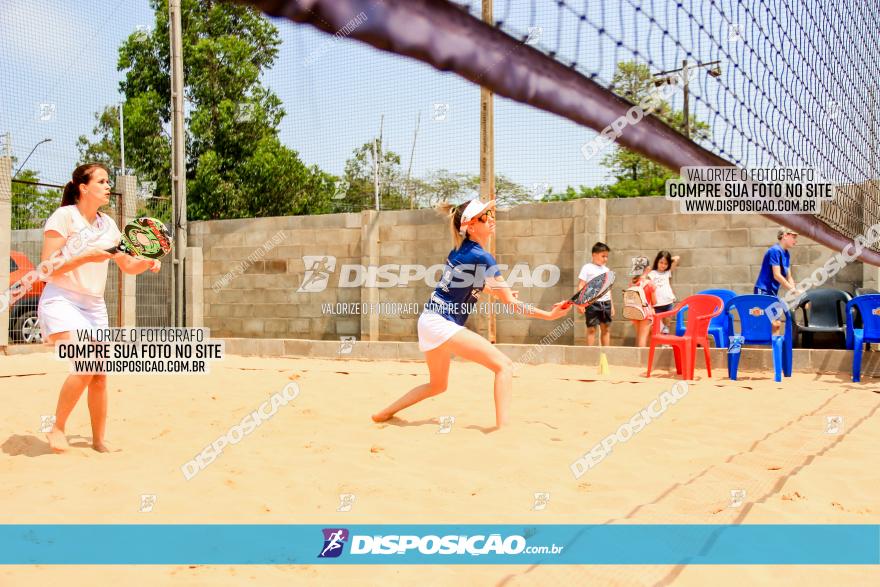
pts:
pixel 719 327
pixel 856 338
pixel 757 328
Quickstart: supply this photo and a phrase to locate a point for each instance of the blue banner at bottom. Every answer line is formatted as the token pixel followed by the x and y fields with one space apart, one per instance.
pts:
pixel 636 544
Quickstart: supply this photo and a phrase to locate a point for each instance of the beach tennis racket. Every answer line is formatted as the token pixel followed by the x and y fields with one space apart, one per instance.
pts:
pixel 592 290
pixel 144 237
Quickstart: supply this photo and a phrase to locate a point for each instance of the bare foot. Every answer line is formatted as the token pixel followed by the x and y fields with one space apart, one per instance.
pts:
pixel 381 417
pixel 100 447
pixel 57 440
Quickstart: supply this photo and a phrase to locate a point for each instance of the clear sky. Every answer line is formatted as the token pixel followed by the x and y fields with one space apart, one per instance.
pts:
pixel 63 53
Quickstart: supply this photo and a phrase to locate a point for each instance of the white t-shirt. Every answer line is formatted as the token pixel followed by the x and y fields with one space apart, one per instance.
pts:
pixel 664 292
pixel 591 270
pixel 89 278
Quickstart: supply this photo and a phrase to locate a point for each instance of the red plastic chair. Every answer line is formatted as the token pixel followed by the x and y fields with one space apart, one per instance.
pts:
pixel 701 309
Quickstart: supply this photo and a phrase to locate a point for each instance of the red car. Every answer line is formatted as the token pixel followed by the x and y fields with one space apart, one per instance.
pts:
pixel 24 326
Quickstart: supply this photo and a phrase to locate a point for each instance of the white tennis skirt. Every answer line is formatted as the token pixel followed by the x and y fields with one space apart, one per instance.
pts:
pixel 63 310
pixel 434 330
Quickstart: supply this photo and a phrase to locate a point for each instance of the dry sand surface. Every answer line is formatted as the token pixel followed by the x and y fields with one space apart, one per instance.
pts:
pixel 753 434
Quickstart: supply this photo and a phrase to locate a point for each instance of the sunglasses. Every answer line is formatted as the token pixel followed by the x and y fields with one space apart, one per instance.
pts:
pixel 485 216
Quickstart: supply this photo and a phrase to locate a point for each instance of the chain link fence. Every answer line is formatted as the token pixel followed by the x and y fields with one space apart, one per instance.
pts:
pixel 32 204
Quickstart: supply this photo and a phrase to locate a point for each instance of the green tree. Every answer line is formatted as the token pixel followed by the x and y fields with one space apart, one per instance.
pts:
pixel 622 188
pixel 358 180
pixel 236 165
pixel 447 186
pixel 508 193
pixel 443 186
pixel 634 174
pixel 31 204
pixel 634 82
pixel 106 148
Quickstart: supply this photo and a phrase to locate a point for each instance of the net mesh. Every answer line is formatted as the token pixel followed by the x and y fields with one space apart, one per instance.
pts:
pixel 32 204
pixel 796 84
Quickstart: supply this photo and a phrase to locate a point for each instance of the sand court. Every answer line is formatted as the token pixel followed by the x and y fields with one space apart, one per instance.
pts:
pixel 727 452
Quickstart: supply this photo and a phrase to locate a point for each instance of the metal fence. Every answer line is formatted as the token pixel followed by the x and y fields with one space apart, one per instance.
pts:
pixel 32 204
pixel 154 289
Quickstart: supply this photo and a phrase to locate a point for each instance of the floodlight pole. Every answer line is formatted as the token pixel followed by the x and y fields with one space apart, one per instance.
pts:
pixel 20 167
pixel 178 162
pixel 487 157
pixel 662 77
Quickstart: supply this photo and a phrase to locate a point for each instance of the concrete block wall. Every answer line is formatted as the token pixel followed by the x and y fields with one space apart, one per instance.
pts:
pixel 536 234
pixel 258 297
pixel 28 241
pixel 409 237
pixel 261 300
pixel 717 250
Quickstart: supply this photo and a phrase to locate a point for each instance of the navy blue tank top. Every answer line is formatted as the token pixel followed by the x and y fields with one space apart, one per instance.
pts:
pixel 463 280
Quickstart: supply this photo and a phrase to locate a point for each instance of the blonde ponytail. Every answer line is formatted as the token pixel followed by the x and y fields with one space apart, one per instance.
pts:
pixel 453 214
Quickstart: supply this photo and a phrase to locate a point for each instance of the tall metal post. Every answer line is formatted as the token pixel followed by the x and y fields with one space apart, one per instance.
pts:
pixel 178 161
pixel 377 162
pixel 122 139
pixel 487 156
pixel 687 113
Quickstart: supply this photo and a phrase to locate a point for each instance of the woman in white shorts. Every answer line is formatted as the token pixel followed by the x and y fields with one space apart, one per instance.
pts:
pixel 469 268
pixel 75 238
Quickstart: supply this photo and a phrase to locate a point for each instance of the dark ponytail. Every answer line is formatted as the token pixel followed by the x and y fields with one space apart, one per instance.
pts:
pixel 80 176
pixel 70 195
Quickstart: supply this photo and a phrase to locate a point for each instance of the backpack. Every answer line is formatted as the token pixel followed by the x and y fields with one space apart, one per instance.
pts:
pixel 635 303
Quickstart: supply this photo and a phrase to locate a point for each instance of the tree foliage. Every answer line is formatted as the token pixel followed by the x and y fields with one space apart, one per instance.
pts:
pixel 31 204
pixel 396 192
pixel 634 174
pixel 236 166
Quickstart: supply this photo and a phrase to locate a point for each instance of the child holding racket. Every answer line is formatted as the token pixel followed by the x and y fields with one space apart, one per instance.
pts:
pixel 469 270
pixel 601 312
pixel 74 295
pixel 660 275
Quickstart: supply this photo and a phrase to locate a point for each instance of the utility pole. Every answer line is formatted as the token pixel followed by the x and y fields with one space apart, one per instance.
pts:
pixel 8 144
pixel 122 138
pixel 665 77
pixel 487 156
pixel 687 112
pixel 377 161
pixel 178 162
pixel 409 168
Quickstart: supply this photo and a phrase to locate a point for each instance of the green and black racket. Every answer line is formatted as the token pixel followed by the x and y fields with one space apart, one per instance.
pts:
pixel 144 237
